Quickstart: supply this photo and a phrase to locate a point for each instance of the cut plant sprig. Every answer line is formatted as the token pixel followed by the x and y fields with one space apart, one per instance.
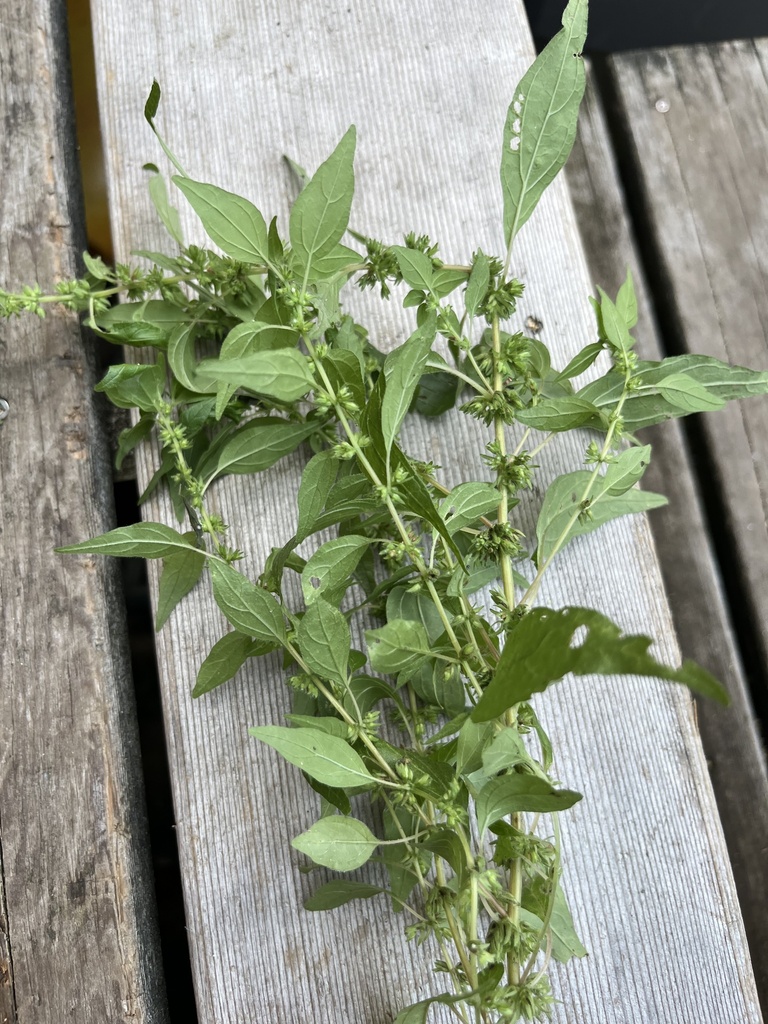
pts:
pixel 431 720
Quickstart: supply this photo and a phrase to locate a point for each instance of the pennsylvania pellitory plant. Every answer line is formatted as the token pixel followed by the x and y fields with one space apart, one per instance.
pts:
pixel 432 720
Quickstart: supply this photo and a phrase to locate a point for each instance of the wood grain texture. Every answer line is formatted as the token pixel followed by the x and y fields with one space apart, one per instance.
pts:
pixel 700 172
pixel 77 935
pixel 731 738
pixel 646 866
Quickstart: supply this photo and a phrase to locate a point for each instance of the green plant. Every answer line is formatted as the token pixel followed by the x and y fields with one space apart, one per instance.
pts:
pixel 442 736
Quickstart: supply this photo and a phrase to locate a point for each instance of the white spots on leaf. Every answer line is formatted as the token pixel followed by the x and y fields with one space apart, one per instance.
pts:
pixel 517 106
pixel 662 105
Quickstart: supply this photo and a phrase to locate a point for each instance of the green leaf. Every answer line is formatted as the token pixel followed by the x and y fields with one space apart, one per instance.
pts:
pixel 565 942
pixel 553 414
pixel 402 370
pixel 182 360
pixel 282 374
pixel 257 336
pixel 325 723
pixel 645 405
pixel 327 573
pixel 625 471
pixel 129 438
pixel 339 260
pixel 546 645
pixel 97 268
pixel 615 325
pixel 541 121
pixel 581 361
pixel 477 286
pixel 445 843
pixel 233 223
pixel 249 608
pixel 469 583
pixel 364 692
pixel 324 641
pixel 168 214
pixel 467 503
pixel 416 606
pixel 317 480
pixel 326 758
pixel 320 215
pixel 626 301
pixel 438 684
pixel 563 498
pixel 226 658
pixel 338 892
pixel 399 646
pixel 181 571
pixel 416 498
pixel 447 280
pixel 415 267
pixel 343 369
pixel 417 1013
pixel 244 340
pixel 505 751
pixel 512 794
pixel 134 385
pixel 142 540
pixel 397 858
pixel 256 446
pixel 688 394
pixel 153 101
pixel 340 843
pixel 473 739
pixel 150 110
pixel 437 393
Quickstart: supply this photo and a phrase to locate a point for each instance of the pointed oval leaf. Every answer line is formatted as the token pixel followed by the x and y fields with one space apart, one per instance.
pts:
pixel 327 572
pixel 231 221
pixel 326 758
pixel 415 267
pixel 282 374
pixel 541 121
pixel 512 794
pixel 317 480
pixel 181 572
pixel 142 540
pixel 338 842
pixel 554 414
pixel 324 641
pixel 467 503
pixel 403 370
pixel 320 215
pixel 226 658
pixel 249 608
pixel 338 892
pixel 257 446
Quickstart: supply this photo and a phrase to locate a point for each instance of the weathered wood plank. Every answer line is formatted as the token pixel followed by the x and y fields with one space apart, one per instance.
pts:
pixel 77 934
pixel 731 737
pixel 646 865
pixel 700 168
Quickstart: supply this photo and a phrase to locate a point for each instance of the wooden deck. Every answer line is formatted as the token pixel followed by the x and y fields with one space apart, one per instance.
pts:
pixel 647 870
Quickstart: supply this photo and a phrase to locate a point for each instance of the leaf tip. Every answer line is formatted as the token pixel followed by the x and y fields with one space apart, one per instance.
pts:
pixel 153 101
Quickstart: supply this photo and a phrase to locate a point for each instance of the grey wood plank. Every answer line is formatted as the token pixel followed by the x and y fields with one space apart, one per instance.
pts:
pixel 731 737
pixel 77 932
pixel 700 168
pixel 428 86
